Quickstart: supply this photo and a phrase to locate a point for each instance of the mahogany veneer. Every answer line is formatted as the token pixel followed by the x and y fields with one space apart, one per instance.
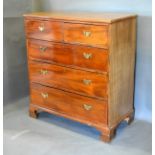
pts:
pixel 73 106
pixel 36 29
pixel 74 33
pixel 85 83
pixel 81 66
pixel 56 53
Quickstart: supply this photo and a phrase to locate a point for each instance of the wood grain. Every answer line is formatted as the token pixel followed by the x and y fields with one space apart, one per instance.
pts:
pixel 81 66
pixel 52 31
pixel 74 33
pixel 70 104
pixel 68 79
pixel 88 17
pixel 69 55
pixel 122 63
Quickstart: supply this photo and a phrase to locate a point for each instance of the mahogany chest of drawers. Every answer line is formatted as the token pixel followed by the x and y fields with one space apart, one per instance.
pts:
pixel 81 66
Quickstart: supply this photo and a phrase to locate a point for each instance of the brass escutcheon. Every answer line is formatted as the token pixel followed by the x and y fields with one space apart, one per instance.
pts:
pixel 41 28
pixel 87 33
pixel 87 55
pixel 43 72
pixel 44 95
pixel 42 49
pixel 87 107
pixel 87 82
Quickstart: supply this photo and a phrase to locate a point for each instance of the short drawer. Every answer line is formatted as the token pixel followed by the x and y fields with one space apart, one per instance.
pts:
pixel 44 30
pixel 70 55
pixel 75 106
pixel 86 34
pixel 72 80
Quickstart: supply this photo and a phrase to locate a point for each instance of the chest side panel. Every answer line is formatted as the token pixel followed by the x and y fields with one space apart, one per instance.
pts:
pixel 122 64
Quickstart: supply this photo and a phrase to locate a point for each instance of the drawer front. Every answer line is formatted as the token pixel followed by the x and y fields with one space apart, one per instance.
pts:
pixel 44 30
pixel 82 82
pixel 82 108
pixel 86 34
pixel 71 55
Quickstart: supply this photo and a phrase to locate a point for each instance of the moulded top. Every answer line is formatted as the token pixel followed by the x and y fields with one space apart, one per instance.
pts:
pixel 82 16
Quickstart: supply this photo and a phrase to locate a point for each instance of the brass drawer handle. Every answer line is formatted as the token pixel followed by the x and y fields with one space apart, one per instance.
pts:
pixel 87 33
pixel 87 107
pixel 43 72
pixel 41 28
pixel 87 55
pixel 87 82
pixel 44 95
pixel 42 49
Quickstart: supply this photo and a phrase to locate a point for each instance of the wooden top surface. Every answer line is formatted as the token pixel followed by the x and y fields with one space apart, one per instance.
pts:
pixel 82 16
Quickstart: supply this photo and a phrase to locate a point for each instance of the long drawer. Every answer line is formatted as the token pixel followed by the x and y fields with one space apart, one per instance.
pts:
pixel 77 81
pixel 70 55
pixel 79 107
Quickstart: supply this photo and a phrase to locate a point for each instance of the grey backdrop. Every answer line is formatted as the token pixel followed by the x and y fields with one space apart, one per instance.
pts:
pixel 14 55
pixel 15 70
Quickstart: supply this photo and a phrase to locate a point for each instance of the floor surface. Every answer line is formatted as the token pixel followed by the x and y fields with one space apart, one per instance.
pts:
pixel 52 135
